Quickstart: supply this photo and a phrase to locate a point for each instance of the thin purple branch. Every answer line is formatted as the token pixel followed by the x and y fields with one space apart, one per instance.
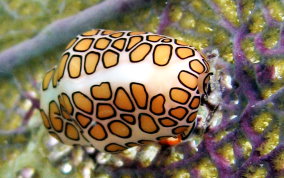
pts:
pixel 269 20
pixel 259 45
pixel 164 19
pixel 19 130
pixel 223 22
pixel 244 71
pixel 63 30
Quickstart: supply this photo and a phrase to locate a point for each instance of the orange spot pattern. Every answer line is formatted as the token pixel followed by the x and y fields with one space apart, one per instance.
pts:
pixel 105 112
pixel 157 104
pixel 140 52
pixel 98 132
pixel 119 129
pixel 102 43
pixel 162 54
pixel 147 124
pixel 167 122
pixel 74 67
pixel 110 58
pixel 139 94
pixel 46 79
pixel 119 44
pixel 91 62
pixel 45 119
pixel 83 45
pixel 83 120
pixel 71 132
pixel 179 95
pixel 113 147
pixel 83 102
pixel 54 115
pixel 178 112
pixel 122 100
pixel 102 91
pixel 188 79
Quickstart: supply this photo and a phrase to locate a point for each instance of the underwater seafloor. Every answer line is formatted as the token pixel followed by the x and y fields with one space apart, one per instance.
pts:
pixel 245 137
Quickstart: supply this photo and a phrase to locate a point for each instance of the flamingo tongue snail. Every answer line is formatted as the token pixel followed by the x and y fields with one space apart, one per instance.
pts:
pixel 119 89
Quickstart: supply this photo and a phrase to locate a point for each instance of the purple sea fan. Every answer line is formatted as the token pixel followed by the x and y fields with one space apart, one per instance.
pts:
pixel 244 137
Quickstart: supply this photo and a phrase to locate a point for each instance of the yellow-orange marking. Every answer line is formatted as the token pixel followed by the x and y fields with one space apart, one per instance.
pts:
pixel 63 110
pixel 195 103
pixel 164 137
pixel 188 79
pixel 113 147
pixel 167 122
pixel 105 111
pixel 46 79
pixel 107 32
pixel 180 130
pixel 139 94
pixel 83 120
pixel 61 67
pixel 98 132
pixel 191 117
pixel 54 78
pixel 66 106
pixel 136 33
pixel 91 33
pixel 128 118
pixel 102 43
pixel 157 104
pixel 178 112
pixel 122 100
pixel 83 45
pixel 187 132
pixel 67 103
pixel 166 40
pixel 110 58
pixel 140 52
pixel 119 44
pixel 54 115
pixel 64 113
pixel 196 66
pixel 45 119
pixel 184 52
pixel 119 129
pixel 71 43
pixel 83 102
pixel 91 62
pixel 133 41
pixel 117 34
pixel 181 43
pixel 74 67
pixel 179 95
pixel 147 123
pixel 131 144
pixel 102 91
pixel 162 54
pixel 71 132
pixel 154 38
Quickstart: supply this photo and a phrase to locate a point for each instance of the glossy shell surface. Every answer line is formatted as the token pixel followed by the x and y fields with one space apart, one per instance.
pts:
pixel 118 89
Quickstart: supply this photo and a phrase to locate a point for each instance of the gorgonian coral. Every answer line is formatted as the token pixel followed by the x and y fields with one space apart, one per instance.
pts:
pixel 245 136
